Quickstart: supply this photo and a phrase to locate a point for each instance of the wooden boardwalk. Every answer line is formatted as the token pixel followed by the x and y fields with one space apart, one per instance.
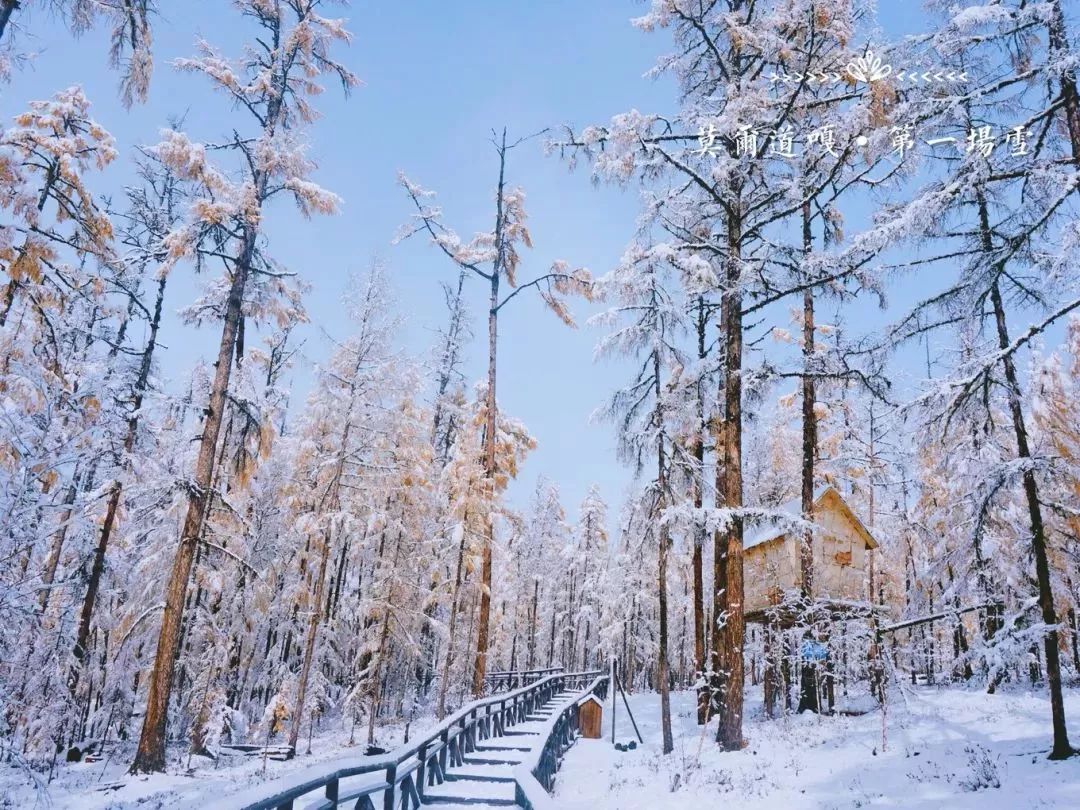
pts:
pixel 486 776
pixel 499 751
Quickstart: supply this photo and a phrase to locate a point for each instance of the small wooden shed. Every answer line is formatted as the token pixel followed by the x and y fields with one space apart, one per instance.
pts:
pixel 590 717
pixel 842 548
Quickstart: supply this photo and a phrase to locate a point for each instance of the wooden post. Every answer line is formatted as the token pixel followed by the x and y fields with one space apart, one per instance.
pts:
pixel 611 681
pixel 388 795
pixel 770 669
pixel 786 669
pixel 629 713
pixel 421 772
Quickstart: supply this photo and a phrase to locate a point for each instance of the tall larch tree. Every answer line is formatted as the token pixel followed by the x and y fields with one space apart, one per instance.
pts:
pixel 494 257
pixel 717 188
pixel 272 84
pixel 646 321
pixel 1015 259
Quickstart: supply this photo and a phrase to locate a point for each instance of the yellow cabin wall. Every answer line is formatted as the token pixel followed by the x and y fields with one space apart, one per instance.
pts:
pixel 769 569
pixel 773 567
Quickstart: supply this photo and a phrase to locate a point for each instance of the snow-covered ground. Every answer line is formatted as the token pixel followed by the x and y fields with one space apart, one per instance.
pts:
pixel 231 781
pixel 946 748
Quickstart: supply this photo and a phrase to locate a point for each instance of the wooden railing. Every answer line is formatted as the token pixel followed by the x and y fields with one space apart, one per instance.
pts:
pixel 399 778
pixel 496 681
pixel 536 775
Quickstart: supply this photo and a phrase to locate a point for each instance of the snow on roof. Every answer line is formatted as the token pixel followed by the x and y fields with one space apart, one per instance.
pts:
pixel 775 523
pixel 770 528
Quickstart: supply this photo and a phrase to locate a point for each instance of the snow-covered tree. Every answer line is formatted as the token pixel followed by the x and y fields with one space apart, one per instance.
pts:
pixel 645 323
pixel 130 36
pixel 494 256
pixel 273 86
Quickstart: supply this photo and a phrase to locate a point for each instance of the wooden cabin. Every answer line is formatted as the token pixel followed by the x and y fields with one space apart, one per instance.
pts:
pixel 841 556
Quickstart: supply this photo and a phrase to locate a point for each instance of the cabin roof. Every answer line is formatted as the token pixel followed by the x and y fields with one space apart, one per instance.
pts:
pixel 591 697
pixel 774 528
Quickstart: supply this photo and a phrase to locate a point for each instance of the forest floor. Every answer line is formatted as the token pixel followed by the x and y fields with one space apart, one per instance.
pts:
pixel 198 782
pixel 945 747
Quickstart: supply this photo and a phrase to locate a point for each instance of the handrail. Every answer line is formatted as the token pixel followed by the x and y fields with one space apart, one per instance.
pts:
pixel 495 674
pixel 409 769
pixel 535 776
pixel 517 678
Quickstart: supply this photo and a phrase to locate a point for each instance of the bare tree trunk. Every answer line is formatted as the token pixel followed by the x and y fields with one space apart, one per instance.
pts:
pixel 7 8
pixel 808 684
pixel 473 606
pixel 455 599
pixel 1061 748
pixel 717 660
pixel 809 428
pixel 337 581
pixel 377 677
pixel 97 567
pixel 730 584
pixel 513 643
pixel 771 676
pixel 483 631
pixel 376 685
pixel 662 563
pixel 664 668
pixel 53 561
pixel 309 643
pixel 1059 48
pixel 532 623
pixel 551 641
pixel 150 755
pixel 699 530
pixel 441 438
pixel 569 643
pixel 1075 642
pixel 581 641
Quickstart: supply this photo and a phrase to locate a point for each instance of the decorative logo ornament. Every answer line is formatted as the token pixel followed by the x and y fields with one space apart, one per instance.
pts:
pixel 868 68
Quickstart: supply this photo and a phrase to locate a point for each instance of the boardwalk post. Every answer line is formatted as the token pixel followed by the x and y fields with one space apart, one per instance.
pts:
pixel 388 796
pixel 611 680
pixel 627 704
pixel 421 771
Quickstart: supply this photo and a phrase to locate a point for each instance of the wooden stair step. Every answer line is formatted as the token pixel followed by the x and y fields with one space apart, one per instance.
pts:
pixel 476 777
pixel 466 800
pixel 487 791
pixel 503 748
pixel 490 761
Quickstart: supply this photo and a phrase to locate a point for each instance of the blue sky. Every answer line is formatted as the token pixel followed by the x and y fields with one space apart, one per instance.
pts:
pixel 438 77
